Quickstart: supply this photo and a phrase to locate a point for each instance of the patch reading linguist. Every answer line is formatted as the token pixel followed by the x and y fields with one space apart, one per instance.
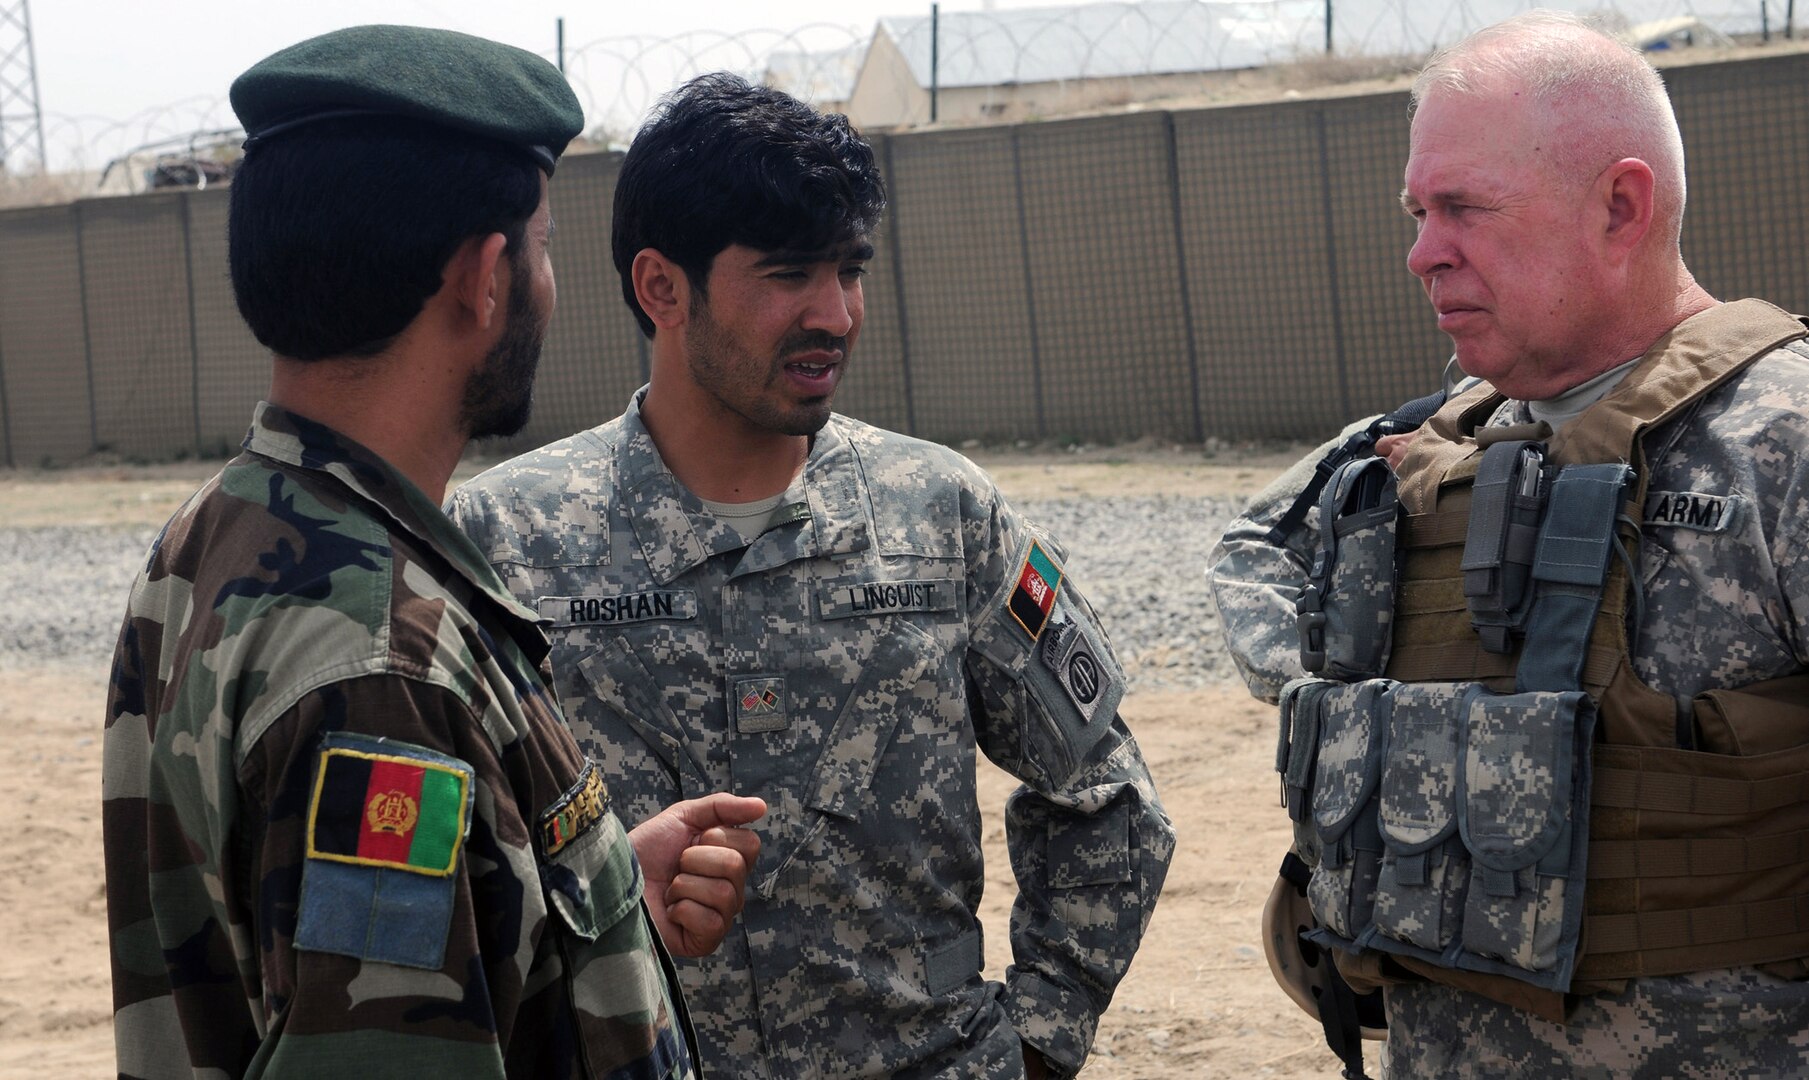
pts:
pixel 615 608
pixel 389 810
pixel 580 807
pixel 1693 510
pixel 886 597
pixel 1034 598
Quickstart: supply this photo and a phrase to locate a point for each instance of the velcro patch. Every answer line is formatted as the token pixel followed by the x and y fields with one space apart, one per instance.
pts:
pixel 1693 510
pixel 759 704
pixel 1034 597
pixel 580 807
pixel 886 597
pixel 1070 658
pixel 398 809
pixel 613 608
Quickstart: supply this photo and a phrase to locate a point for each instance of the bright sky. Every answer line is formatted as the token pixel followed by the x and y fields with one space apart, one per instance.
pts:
pixel 113 74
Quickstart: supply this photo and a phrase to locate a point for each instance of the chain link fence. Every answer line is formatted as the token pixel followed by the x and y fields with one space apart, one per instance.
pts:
pixel 1229 272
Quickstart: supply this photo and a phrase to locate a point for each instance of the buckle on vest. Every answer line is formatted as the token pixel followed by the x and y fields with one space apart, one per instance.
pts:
pixel 1309 620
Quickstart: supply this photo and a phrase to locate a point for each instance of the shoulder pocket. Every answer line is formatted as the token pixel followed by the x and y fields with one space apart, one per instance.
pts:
pixel 386 830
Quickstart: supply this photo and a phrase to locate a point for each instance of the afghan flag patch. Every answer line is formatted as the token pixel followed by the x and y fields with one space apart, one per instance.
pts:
pixel 1034 598
pixel 393 810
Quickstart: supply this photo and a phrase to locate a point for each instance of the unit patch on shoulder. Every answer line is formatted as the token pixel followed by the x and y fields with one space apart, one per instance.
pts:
pixel 1034 597
pixel 1693 510
pixel 581 806
pixel 1069 657
pixel 395 808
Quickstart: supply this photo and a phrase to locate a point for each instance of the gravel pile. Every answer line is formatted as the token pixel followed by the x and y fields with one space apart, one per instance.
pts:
pixel 1139 560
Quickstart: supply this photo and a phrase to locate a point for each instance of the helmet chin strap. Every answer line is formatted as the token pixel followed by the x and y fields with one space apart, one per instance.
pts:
pixel 1306 972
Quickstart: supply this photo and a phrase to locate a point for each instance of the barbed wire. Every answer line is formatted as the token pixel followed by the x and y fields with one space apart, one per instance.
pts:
pixel 990 65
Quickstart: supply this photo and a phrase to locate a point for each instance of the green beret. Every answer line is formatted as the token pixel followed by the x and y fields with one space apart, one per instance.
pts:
pixel 435 76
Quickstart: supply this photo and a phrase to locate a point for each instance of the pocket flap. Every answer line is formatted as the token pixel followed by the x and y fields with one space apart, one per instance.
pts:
pixel 1519 767
pixel 1417 807
pixel 862 731
pixel 623 683
pixel 1298 746
pixel 593 881
pixel 1349 754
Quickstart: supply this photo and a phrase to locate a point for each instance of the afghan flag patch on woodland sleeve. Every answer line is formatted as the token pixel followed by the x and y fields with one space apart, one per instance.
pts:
pixel 1034 597
pixel 399 809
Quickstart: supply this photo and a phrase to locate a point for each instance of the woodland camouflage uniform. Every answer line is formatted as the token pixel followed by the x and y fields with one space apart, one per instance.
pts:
pixel 308 638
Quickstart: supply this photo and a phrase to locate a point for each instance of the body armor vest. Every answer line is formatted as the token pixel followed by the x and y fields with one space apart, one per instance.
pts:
pixel 1690 850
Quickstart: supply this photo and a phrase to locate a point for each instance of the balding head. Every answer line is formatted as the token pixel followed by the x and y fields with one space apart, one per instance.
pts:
pixel 1598 99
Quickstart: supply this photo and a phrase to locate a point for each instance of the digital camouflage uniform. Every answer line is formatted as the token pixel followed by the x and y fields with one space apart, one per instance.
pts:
pixel 345 826
pixel 1725 596
pixel 843 667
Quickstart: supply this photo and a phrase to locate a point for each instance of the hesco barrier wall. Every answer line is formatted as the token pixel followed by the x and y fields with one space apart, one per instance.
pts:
pixel 1231 272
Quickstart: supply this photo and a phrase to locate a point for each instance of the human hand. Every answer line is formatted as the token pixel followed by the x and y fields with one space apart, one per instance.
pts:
pixel 1394 447
pixel 695 862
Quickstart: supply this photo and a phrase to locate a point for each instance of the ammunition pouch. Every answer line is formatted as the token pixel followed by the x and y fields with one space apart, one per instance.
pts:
pixel 1505 513
pixel 1451 824
pixel 1345 612
pixel 1450 821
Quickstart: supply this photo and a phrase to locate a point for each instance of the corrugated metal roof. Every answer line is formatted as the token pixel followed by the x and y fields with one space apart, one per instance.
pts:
pixel 822 75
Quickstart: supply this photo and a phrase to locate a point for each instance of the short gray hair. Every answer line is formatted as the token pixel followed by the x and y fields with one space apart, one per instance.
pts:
pixel 1559 59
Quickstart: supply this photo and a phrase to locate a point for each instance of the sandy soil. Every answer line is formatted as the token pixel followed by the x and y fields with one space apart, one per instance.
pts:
pixel 1198 1002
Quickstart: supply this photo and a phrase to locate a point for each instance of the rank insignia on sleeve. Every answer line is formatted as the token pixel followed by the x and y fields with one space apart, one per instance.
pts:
pixel 577 810
pixel 397 809
pixel 1034 597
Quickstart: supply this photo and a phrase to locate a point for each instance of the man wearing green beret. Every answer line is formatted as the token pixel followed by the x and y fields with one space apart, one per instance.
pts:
pixel 345 825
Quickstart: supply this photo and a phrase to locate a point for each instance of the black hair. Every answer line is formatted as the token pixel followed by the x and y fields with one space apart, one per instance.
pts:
pixel 724 162
pixel 341 230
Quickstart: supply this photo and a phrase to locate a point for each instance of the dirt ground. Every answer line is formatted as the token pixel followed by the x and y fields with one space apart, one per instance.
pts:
pixel 1198 1002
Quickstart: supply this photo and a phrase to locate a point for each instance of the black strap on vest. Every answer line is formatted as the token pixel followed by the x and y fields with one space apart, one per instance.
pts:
pixel 1342 1011
pixel 1406 418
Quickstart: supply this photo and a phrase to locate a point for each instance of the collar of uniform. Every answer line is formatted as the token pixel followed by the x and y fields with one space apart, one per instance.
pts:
pixel 833 491
pixel 299 442
pixel 677 532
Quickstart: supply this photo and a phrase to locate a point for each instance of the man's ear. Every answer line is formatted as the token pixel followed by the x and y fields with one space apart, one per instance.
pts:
pixel 475 278
pixel 1625 191
pixel 661 287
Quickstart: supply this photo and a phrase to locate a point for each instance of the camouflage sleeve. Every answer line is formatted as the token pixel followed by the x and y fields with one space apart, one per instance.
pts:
pixel 1090 843
pixel 1254 579
pixel 429 962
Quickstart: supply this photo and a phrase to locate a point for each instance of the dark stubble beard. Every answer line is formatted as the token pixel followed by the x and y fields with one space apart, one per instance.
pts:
pixel 499 395
pixel 721 369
